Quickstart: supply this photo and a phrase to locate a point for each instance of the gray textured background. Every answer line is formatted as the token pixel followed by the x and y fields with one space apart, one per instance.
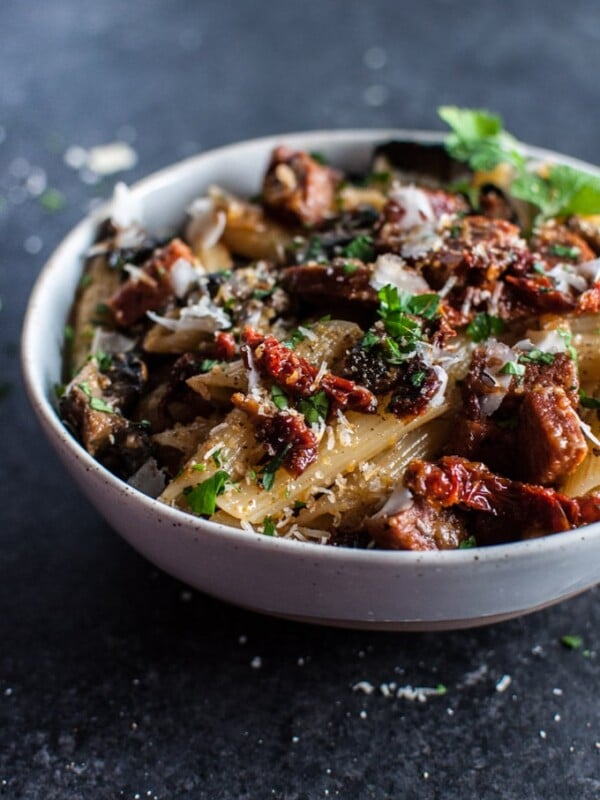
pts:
pixel 114 681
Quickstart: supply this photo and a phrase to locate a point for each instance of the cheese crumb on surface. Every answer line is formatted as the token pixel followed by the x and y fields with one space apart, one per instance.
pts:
pixel 503 684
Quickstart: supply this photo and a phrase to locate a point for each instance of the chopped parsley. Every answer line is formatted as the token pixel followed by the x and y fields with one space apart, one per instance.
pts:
pixel 262 294
pixel 361 248
pixel 369 340
pixel 268 526
pixel 479 139
pixel 314 408
pixel 587 401
pixel 268 476
pixel 315 251
pixel 467 189
pixel 52 201
pixel 467 543
pixel 483 326
pixel 299 504
pixel 513 368
pixel 571 641
pixel 279 397
pixel 59 390
pixel 207 364
pixel 349 268
pixel 295 338
pixel 398 309
pixel 417 378
pixel 567 336
pixel 536 356
pixel 104 360
pixel 85 281
pixel 68 333
pixel 564 251
pixel 199 467
pixel 202 498
pixel 96 403
pixel 318 157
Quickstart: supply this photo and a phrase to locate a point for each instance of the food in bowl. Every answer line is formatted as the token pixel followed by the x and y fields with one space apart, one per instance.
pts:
pixel 404 359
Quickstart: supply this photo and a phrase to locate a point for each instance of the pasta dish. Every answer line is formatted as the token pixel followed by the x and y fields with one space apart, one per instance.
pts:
pixel 403 359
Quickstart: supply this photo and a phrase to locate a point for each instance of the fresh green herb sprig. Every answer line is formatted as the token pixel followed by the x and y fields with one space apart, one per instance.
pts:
pixel 587 401
pixel 361 248
pixel 268 526
pixel 202 498
pixel 483 326
pixel 314 408
pixel 397 310
pixel 96 403
pixel 268 477
pixel 479 139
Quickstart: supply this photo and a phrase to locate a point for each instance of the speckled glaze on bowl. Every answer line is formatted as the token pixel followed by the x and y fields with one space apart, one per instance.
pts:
pixel 327 585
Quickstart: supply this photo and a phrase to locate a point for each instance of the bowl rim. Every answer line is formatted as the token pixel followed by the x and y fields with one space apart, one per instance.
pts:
pixel 188 523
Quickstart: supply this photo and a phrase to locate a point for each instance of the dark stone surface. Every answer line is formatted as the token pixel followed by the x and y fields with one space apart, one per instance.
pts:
pixel 114 680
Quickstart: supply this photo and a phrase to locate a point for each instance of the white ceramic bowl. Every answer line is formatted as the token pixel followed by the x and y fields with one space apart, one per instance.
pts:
pixel 328 585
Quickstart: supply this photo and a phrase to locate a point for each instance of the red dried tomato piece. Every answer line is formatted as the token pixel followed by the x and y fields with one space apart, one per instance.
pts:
pixel 296 376
pixel 471 486
pixel 225 346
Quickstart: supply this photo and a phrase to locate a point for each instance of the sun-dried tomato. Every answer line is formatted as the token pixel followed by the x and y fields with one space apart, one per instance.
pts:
pixel 471 486
pixel 296 376
pixel 289 429
pixel 225 346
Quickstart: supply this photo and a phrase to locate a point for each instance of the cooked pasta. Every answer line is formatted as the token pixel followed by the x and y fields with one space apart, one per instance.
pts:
pixel 375 360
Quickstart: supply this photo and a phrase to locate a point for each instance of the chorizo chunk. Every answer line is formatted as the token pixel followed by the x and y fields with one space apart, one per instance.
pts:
pixel 296 186
pixel 150 289
pixel 417 527
pixel 551 444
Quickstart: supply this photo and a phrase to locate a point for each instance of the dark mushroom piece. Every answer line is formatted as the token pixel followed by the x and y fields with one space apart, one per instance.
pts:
pixel 427 163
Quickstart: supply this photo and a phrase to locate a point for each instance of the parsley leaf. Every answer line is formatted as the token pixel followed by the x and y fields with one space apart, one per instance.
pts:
pixel 417 378
pixel 361 248
pixel 314 408
pixel 96 403
pixel 268 526
pixel 587 401
pixel 483 326
pixel 315 251
pixel 295 338
pixel 395 309
pixel 467 543
pixel 279 397
pixel 536 356
pixel 268 476
pixel 564 252
pixel 572 642
pixel 318 157
pixel 513 368
pixel 369 340
pixel 207 364
pixel 202 498
pixel 479 139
